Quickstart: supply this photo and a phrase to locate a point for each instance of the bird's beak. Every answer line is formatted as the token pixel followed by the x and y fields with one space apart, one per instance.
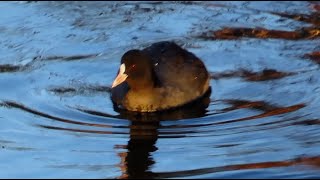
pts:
pixel 121 76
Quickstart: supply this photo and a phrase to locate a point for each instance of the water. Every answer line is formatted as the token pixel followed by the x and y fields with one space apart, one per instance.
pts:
pixel 261 120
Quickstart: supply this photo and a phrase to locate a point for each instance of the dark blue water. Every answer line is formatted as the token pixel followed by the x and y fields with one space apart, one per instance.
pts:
pixel 261 120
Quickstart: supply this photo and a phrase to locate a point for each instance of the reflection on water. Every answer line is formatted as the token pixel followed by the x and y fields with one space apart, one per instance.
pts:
pixel 144 135
pixel 138 159
pixel 260 119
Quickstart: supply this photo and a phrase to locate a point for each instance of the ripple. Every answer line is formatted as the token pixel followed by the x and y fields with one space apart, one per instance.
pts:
pixel 236 33
pixel 265 75
pixel 65 58
pixel 84 89
pixel 314 56
pixel 9 68
pixel 12 104
pixel 313 161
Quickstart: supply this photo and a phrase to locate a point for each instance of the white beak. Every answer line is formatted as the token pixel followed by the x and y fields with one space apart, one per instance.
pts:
pixel 120 77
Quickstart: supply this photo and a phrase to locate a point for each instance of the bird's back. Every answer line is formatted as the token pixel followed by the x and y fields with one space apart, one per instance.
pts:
pixel 177 67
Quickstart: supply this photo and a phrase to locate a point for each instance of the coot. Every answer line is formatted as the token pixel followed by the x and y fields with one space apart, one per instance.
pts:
pixel 160 77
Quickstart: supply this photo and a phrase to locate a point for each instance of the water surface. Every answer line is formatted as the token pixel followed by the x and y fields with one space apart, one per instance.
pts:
pixel 261 120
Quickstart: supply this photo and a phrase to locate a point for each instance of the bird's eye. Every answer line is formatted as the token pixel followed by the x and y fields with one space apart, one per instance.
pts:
pixel 133 66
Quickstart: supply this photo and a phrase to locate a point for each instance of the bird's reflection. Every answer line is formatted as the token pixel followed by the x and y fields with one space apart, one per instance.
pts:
pixel 138 160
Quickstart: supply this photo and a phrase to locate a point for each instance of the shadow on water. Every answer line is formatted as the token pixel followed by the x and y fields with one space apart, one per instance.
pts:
pixel 137 161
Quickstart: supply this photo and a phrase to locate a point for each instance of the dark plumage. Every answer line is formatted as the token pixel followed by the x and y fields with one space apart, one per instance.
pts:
pixel 159 77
